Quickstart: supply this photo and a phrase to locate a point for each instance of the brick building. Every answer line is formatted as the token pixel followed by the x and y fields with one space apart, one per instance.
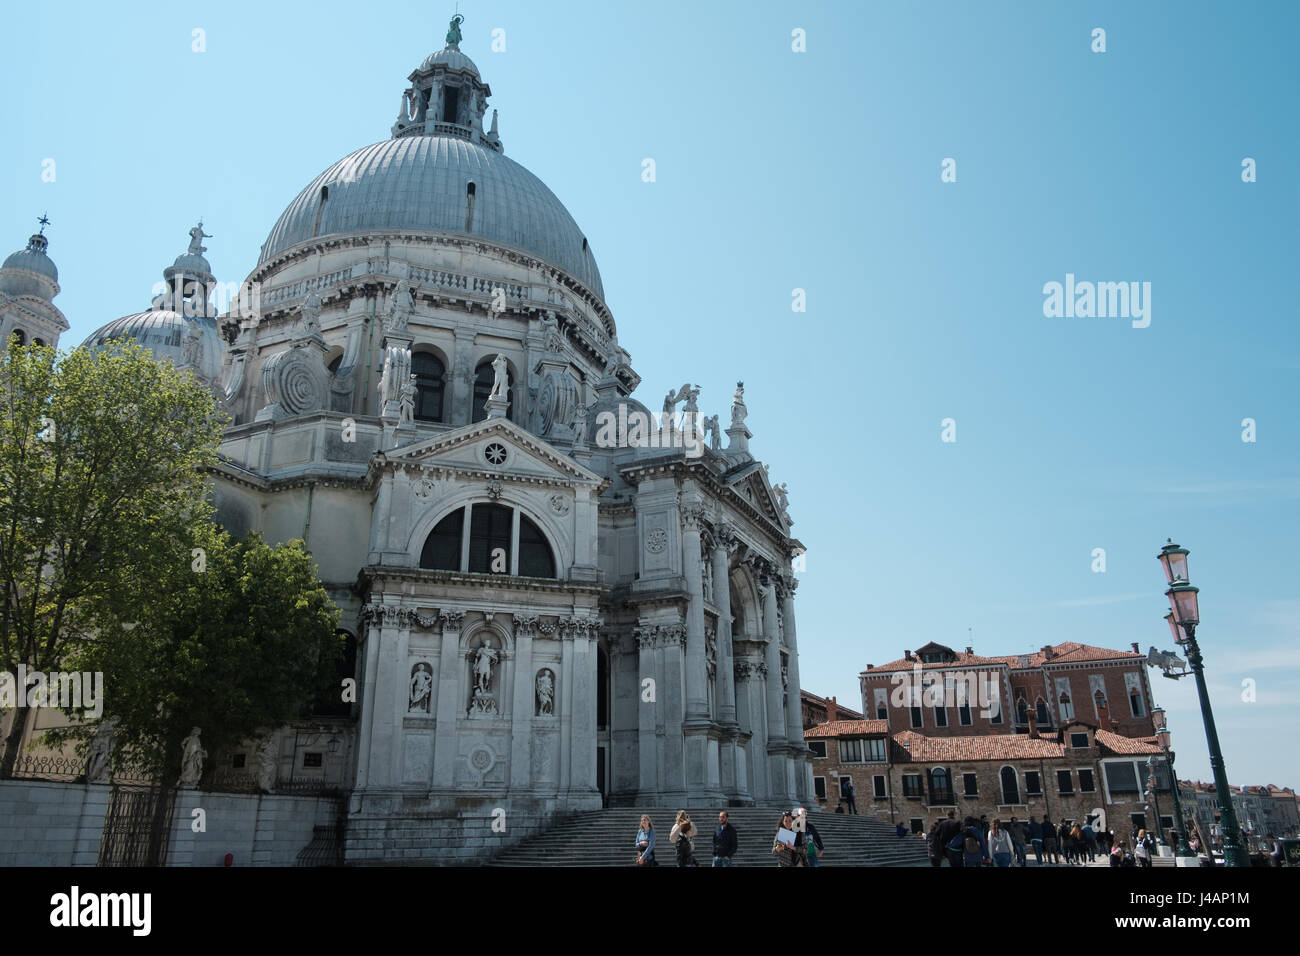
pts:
pixel 819 710
pixel 1064 732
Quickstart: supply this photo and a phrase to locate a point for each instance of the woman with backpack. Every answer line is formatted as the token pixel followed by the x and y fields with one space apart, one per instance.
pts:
pixel 1067 842
pixel 969 845
pixel 1000 844
pixel 683 838
pixel 645 843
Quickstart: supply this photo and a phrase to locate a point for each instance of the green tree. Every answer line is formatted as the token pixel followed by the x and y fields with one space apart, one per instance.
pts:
pixel 236 639
pixel 102 477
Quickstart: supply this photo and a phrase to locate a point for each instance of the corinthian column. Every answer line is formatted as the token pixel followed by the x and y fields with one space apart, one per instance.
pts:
pixel 776 741
pixel 725 680
pixel 697 693
pixel 794 708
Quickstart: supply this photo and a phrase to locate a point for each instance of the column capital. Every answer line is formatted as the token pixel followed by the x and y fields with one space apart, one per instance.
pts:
pixel 692 518
pixel 525 624
pixel 451 620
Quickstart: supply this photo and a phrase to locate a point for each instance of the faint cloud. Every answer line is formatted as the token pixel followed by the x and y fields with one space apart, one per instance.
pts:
pixel 1117 599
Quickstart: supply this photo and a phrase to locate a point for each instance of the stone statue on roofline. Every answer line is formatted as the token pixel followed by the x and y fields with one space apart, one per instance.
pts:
pixel 197 235
pixel 453 31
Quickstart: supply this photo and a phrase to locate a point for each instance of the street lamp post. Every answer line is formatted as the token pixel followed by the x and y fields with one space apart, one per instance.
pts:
pixel 1183 619
pixel 1162 737
pixel 1152 783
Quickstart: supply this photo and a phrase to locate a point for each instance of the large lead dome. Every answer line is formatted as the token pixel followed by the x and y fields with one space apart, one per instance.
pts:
pixel 440 173
pixel 423 183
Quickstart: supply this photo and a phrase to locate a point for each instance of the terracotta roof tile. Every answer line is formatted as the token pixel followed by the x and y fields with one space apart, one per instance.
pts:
pixel 922 749
pixel 848 728
pixel 1119 744
pixel 1069 652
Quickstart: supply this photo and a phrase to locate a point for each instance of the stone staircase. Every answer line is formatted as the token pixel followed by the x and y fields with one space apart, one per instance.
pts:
pixel 606 837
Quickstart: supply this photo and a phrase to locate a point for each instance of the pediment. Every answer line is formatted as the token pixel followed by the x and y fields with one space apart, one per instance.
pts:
pixel 469 449
pixel 750 482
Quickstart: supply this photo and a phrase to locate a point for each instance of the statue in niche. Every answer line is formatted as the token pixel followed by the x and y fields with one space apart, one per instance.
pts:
pixel 545 693
pixel 707 572
pixel 553 341
pixel 501 378
pixel 101 749
pixel 711 655
pixel 580 426
pixel 421 687
pixel 483 701
pixel 399 309
pixel 407 410
pixel 192 757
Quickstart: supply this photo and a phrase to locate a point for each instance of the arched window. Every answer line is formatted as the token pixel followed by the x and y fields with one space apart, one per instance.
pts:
pixel 737 610
pixel 940 787
pixel 489 539
pixel 1010 786
pixel 333 367
pixel 882 712
pixel 429 374
pixel 442 547
pixel 488 542
pixel 38 342
pixel 1067 707
pixel 19 337
pixel 1022 711
pixel 484 377
pixel 1044 717
pixel 1135 703
pixel 535 558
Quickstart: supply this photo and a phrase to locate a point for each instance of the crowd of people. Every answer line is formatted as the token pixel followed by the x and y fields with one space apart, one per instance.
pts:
pixel 981 842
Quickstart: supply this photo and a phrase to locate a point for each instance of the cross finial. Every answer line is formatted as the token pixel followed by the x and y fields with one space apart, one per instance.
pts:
pixel 44 221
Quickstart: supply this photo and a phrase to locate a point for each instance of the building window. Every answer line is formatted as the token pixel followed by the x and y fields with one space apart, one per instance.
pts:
pixel 1067 708
pixel 917 721
pixel 851 751
pixel 1064 783
pixel 1022 711
pixel 450 102
pixel 1121 778
pixel 941 716
pixel 19 337
pixel 880 789
pixel 877 750
pixel 489 547
pixel 995 710
pixel 1010 786
pixel 963 714
pixel 969 785
pixel 429 374
pixel 1085 782
pixel 484 377
pixel 818 748
pixel 882 712
pixel 1079 741
pixel 1044 717
pixel 912 785
pixel 312 760
pixel 1135 704
pixel 940 787
pixel 1033 784
pixel 1139 820
pixel 237 761
pixel 819 787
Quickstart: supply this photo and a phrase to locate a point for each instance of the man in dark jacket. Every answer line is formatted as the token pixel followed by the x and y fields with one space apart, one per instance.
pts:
pixel 947 830
pixel 724 841
pixel 1036 839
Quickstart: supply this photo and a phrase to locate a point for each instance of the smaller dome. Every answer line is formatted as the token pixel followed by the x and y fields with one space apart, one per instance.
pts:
pixel 31 259
pixel 190 263
pixel 451 58
pixel 164 333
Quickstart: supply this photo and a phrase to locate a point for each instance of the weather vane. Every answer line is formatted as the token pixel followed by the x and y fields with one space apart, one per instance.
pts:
pixel 44 221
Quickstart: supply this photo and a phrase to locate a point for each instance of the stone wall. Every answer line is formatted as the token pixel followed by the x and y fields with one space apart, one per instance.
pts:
pixel 50 824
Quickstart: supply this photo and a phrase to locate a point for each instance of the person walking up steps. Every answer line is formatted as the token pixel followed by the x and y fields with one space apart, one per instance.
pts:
pixel 683 838
pixel 849 796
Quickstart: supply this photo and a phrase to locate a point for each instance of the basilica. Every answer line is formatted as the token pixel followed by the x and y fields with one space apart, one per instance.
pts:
pixel 551 611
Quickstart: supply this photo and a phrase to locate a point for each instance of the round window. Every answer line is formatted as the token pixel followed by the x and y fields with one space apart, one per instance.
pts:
pixel 495 453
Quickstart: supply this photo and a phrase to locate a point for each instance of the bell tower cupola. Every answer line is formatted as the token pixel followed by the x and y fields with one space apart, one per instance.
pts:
pixel 447 97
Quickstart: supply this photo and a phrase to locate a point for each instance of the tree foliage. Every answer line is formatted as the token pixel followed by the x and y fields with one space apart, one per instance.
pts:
pixel 102 481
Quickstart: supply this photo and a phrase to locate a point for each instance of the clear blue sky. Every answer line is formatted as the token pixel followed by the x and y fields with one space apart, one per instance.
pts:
pixel 821 171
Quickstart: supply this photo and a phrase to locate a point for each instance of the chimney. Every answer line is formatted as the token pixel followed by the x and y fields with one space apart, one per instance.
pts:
pixel 907 655
pixel 1103 711
pixel 1135 648
pixel 869 666
pixel 832 711
pixel 1033 724
pixel 1047 652
pixel 969 651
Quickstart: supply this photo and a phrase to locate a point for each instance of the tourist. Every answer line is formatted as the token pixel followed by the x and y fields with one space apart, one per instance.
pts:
pixel 787 853
pixel 948 829
pixel 970 844
pixel 812 840
pixel 724 841
pixel 1019 838
pixel 682 837
pixel 932 844
pixel 1066 840
pixel 1117 855
pixel 1000 844
pixel 1036 839
pixel 1050 845
pixel 645 843
pixel 984 826
pixel 1077 841
pixel 848 795
pixel 1142 848
pixel 1090 840
pixel 900 830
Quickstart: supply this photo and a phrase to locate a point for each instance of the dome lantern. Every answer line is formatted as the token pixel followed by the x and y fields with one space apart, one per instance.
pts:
pixel 447 97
